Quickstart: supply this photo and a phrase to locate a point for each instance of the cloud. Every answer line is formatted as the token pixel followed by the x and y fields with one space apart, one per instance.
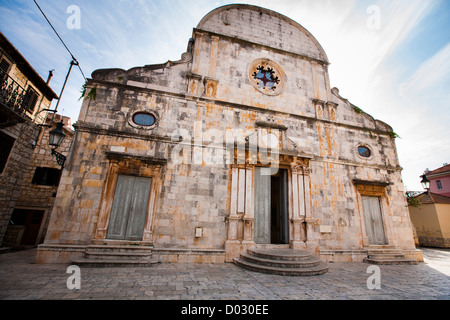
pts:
pixel 431 74
pixel 359 52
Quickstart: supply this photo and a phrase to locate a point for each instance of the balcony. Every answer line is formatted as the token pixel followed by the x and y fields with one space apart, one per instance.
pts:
pixel 15 102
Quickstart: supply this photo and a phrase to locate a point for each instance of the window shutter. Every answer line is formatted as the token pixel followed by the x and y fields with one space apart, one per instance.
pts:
pixel 30 99
pixel 6 145
pixel 5 66
pixel 46 177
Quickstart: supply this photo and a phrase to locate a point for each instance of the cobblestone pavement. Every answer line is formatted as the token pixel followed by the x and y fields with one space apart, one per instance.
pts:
pixel 21 279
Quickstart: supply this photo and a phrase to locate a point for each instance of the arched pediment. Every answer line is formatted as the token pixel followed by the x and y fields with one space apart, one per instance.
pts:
pixel 263 26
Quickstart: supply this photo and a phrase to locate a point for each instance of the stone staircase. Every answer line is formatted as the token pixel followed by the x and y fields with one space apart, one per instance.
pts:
pixel 286 262
pixel 5 250
pixel 386 255
pixel 113 256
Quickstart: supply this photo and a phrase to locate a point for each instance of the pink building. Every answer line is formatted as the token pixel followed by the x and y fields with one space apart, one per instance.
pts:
pixel 440 180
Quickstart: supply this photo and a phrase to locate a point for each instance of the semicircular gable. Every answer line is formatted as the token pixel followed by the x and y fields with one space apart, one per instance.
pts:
pixel 263 26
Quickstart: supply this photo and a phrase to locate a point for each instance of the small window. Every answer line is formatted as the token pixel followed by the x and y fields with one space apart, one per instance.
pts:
pixel 266 78
pixel 6 145
pixel 144 119
pixel 30 99
pixel 439 184
pixel 46 177
pixel 364 152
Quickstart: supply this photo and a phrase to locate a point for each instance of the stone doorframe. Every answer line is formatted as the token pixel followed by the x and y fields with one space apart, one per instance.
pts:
pixel 374 189
pixel 241 219
pixel 122 164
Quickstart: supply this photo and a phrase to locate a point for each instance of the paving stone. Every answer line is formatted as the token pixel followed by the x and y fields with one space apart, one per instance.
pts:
pixel 22 280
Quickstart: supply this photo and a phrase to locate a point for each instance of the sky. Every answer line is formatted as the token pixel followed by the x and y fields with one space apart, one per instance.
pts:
pixel 391 58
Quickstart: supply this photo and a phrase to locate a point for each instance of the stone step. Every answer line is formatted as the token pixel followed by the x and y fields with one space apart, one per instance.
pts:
pixel 111 263
pixel 118 248
pixel 119 255
pixel 380 251
pixel 320 269
pixel 281 261
pixel 381 246
pixel 303 263
pixel 118 252
pixel 279 254
pixel 391 261
pixel 116 255
pixel 386 255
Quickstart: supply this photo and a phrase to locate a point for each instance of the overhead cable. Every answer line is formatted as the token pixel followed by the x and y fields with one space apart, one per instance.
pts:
pixel 62 41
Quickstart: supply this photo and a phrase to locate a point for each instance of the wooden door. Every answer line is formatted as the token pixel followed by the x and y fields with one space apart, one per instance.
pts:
pixel 31 220
pixel 32 227
pixel 130 208
pixel 373 220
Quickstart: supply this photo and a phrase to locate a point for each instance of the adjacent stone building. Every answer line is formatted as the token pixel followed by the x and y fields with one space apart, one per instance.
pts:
pixel 430 210
pixel 29 219
pixel 29 173
pixel 431 219
pixel 23 94
pixel 242 143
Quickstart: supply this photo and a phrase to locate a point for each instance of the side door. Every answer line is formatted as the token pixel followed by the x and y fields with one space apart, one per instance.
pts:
pixel 373 220
pixel 130 208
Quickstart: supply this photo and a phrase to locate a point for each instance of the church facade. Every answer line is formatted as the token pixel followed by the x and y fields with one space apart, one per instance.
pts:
pixel 241 143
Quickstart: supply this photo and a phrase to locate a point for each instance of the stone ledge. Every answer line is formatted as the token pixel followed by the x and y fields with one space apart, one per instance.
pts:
pixel 59 247
pixel 65 254
pixel 58 253
pixel 187 255
pixel 5 250
pixel 414 254
pixel 358 255
pixel 342 255
pixel 188 251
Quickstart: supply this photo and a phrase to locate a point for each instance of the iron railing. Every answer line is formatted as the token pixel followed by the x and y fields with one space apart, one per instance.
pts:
pixel 14 96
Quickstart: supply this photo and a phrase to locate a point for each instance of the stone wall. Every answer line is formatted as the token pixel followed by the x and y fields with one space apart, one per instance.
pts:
pixel 12 177
pixel 42 197
pixel 432 224
pixel 33 195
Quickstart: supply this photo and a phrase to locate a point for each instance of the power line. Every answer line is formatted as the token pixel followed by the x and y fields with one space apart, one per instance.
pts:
pixel 71 54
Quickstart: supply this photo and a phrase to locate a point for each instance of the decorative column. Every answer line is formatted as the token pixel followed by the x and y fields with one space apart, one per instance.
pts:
pixel 249 214
pixel 242 216
pixel 298 211
pixel 311 241
pixel 232 245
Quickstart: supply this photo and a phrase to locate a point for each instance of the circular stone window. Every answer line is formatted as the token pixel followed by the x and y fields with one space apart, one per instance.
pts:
pixel 267 77
pixel 364 152
pixel 143 120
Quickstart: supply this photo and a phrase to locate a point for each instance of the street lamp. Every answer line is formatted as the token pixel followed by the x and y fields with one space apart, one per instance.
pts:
pixel 55 139
pixel 56 136
pixel 425 182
